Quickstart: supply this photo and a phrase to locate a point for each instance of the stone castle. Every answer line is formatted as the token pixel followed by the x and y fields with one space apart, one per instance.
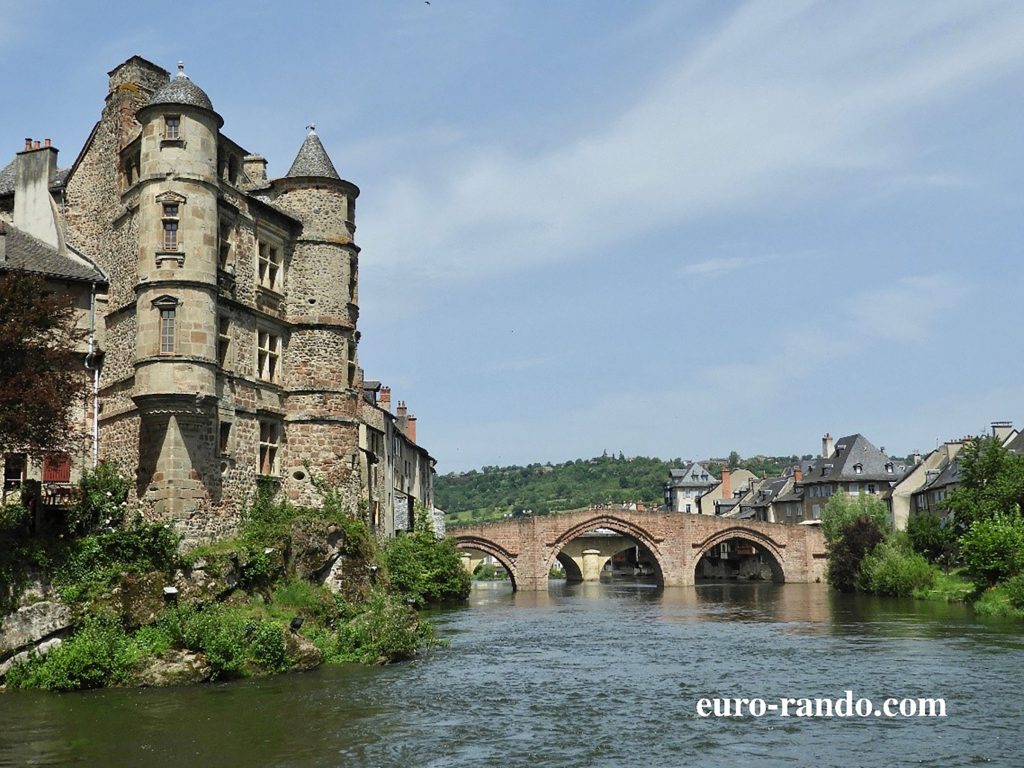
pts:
pixel 224 315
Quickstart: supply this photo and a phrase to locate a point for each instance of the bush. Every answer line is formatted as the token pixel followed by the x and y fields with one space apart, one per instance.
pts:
pixel 931 537
pixel 95 562
pixel 99 654
pixel 386 630
pixel 853 542
pixel 1014 588
pixel 993 548
pixel 102 500
pixel 232 639
pixel 425 570
pixel 893 568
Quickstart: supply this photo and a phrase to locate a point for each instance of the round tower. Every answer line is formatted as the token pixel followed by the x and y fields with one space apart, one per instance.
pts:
pixel 320 366
pixel 176 289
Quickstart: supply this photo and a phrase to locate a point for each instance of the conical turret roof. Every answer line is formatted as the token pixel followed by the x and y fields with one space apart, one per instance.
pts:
pixel 181 90
pixel 312 159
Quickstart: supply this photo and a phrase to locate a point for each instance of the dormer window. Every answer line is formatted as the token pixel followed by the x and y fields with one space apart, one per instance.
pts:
pixel 170 226
pixel 172 127
pixel 858 469
pixel 888 467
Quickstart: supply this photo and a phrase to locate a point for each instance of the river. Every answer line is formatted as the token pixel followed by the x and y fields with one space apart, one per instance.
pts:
pixel 584 675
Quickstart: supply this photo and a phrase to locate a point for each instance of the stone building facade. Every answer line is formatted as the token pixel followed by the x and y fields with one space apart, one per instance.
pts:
pixel 228 327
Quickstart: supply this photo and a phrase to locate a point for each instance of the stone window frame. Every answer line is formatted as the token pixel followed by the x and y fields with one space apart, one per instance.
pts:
pixel 269 452
pixel 225 244
pixel 269 354
pixel 172 128
pixel 223 340
pixel 171 204
pixel 167 316
pixel 270 264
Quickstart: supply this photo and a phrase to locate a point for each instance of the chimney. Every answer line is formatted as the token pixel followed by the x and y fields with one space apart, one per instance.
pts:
pixel 798 475
pixel 255 167
pixel 726 484
pixel 917 458
pixel 402 416
pixel 34 209
pixel 412 428
pixel 385 398
pixel 827 448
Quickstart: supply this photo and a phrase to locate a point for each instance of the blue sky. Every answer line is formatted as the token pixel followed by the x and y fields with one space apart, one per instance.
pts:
pixel 662 228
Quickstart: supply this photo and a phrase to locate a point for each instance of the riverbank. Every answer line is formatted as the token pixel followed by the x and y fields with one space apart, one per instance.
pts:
pixel 111 602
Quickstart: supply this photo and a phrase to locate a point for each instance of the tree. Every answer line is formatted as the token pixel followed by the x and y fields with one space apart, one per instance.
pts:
pixel 993 548
pixel 991 482
pixel 734 460
pixel 853 527
pixel 41 376
pixel 932 538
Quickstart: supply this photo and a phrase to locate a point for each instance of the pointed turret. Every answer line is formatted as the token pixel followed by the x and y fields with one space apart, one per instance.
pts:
pixel 312 159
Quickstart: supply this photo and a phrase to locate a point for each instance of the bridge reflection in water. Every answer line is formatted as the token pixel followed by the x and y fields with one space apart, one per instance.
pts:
pixel 673 548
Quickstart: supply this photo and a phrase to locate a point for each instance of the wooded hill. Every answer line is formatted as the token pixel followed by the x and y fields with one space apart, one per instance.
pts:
pixel 496 492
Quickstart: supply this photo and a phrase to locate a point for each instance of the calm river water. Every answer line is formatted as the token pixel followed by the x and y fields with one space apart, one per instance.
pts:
pixel 587 675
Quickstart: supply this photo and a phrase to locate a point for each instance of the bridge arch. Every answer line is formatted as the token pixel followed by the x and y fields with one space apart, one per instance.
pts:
pixel 498 552
pixel 613 523
pixel 774 550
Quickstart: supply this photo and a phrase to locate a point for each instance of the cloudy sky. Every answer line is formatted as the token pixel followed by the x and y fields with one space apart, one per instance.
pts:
pixel 662 228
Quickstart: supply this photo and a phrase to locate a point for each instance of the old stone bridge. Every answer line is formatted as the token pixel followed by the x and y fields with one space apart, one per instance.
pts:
pixel 528 547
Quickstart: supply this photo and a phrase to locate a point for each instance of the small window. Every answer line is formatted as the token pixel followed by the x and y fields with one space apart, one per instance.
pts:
pixel 854 489
pixel 888 467
pixel 172 127
pixel 223 341
pixel 270 441
pixel 170 225
pixel 872 489
pixel 224 249
pixel 858 468
pixel 269 266
pixel 224 440
pixel 268 357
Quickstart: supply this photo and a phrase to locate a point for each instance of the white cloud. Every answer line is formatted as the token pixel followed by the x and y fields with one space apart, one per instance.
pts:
pixel 723 264
pixel 777 98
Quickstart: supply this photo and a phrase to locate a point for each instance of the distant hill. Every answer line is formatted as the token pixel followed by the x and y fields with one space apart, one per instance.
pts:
pixel 495 492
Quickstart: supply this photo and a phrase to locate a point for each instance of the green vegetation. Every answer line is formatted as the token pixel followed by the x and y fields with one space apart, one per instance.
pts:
pixel 980 546
pixel 257 609
pixel 496 492
pixel 424 571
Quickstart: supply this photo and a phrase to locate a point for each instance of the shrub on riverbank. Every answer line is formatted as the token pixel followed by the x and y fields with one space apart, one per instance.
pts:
pixel 993 548
pixel 425 570
pixel 893 568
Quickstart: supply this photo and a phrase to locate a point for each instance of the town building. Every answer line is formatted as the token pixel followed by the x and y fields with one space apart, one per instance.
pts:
pixel 686 486
pixel 225 308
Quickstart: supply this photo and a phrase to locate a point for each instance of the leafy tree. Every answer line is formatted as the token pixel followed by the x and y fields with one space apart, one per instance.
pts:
pixel 932 538
pixel 734 460
pixel 843 509
pixel 40 372
pixel 991 482
pixel 993 548
pixel 853 527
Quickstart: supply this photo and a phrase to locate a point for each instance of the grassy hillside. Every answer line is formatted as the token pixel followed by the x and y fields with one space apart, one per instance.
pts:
pixel 495 492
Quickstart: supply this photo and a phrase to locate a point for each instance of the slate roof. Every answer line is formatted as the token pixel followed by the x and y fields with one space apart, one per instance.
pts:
pixel 693 475
pixel 766 494
pixel 9 174
pixel 950 475
pixel 181 90
pixel 22 251
pixel 312 160
pixel 851 451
